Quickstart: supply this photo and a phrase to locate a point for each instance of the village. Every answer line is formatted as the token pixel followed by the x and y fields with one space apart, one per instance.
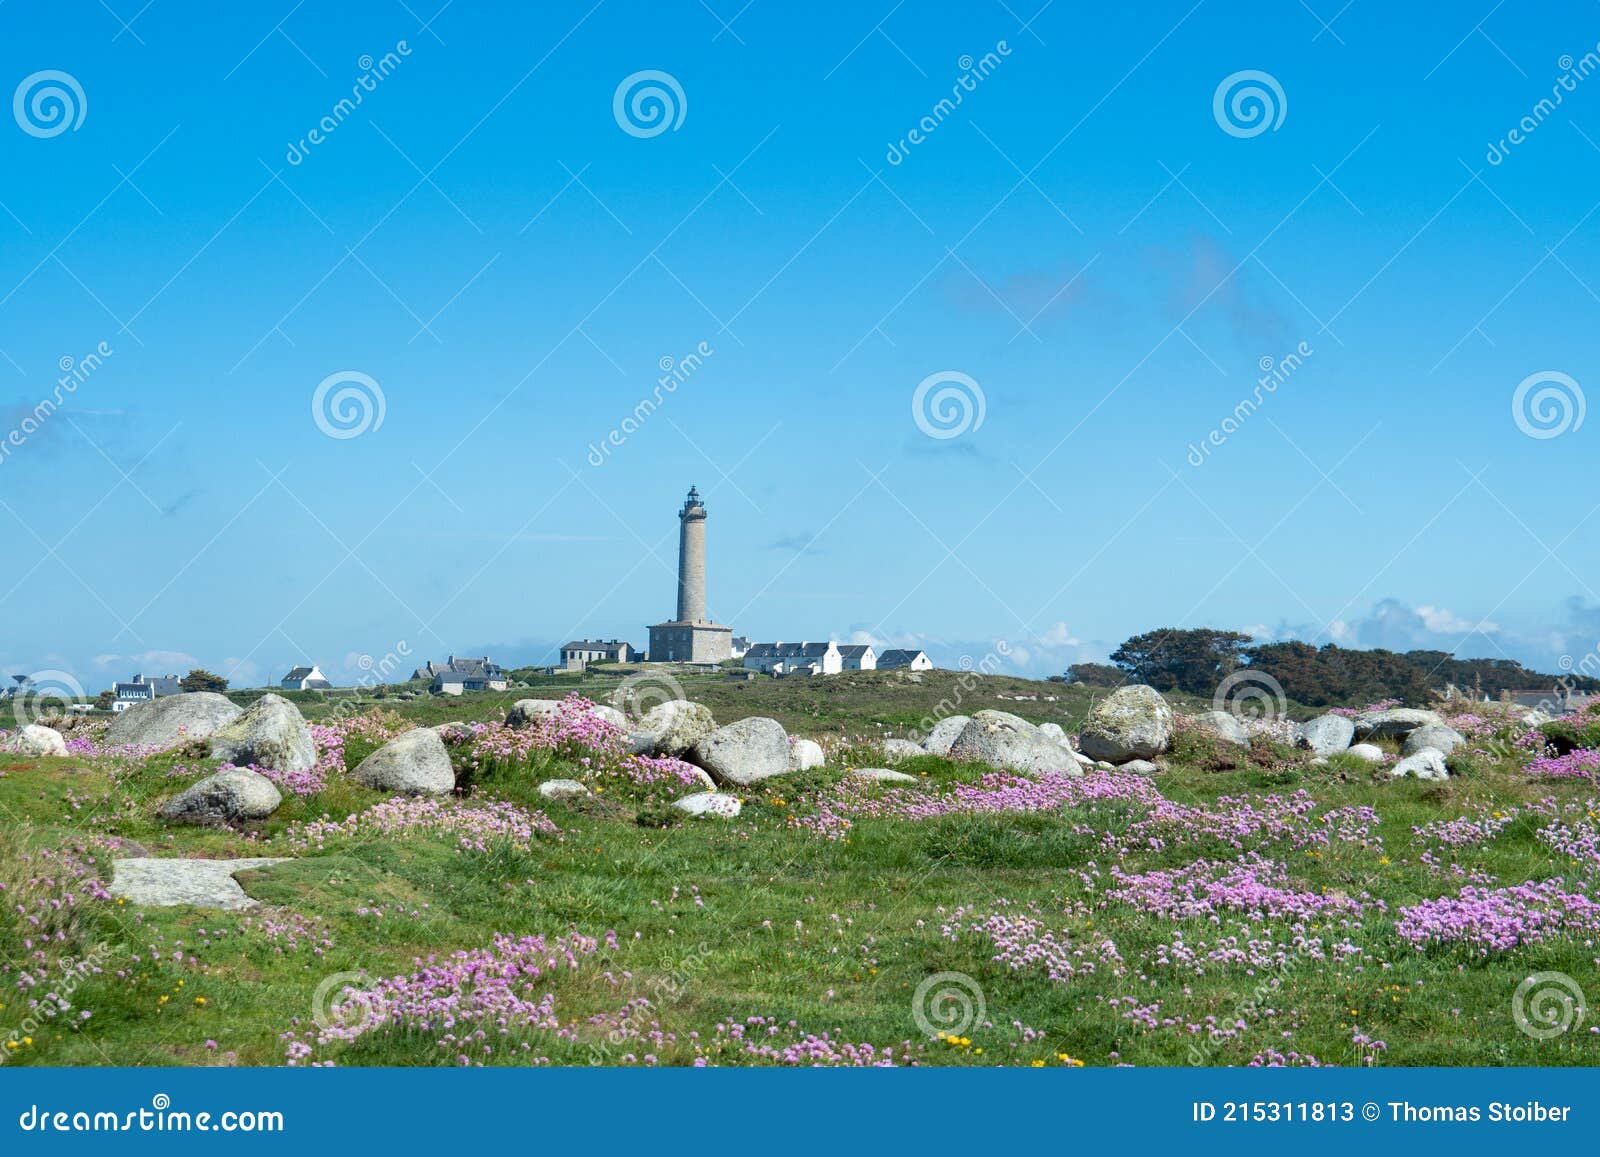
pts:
pixel 689 639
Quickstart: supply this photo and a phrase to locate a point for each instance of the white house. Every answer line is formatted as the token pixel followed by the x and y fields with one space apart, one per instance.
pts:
pixel 794 658
pixel 140 689
pixel 905 660
pixel 858 657
pixel 305 679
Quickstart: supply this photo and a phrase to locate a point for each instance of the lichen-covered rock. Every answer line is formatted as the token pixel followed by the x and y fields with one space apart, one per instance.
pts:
pixel 232 794
pixel 527 711
pixel 744 752
pixel 611 715
pixel 1225 726
pixel 882 775
pixel 1437 736
pixel 709 804
pixel 1132 722
pixel 562 790
pixel 172 719
pixel 804 754
pixel 1429 763
pixel 415 763
pixel 168 883
pixel 672 728
pixel 34 739
pixel 271 733
pixel 1396 723
pixel 1325 735
pixel 894 750
pixel 944 734
pixel 1003 740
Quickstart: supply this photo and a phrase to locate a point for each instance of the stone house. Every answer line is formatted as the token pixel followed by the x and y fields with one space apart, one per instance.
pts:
pixel 455 676
pixel 579 653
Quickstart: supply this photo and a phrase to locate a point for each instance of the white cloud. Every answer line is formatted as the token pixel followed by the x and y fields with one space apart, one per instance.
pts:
pixel 1058 636
pixel 1442 621
pixel 150 662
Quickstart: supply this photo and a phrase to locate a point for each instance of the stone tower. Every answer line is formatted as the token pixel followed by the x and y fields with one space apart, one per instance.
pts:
pixel 691 637
pixel 692 559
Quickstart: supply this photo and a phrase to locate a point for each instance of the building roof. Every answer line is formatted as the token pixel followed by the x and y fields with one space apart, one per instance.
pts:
pixel 787 650
pixel 302 673
pixel 159 684
pixel 482 668
pixel 854 650
pixel 898 657
pixel 596 645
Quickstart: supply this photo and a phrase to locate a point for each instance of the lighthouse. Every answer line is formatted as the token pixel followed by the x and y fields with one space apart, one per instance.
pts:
pixel 692 559
pixel 691 636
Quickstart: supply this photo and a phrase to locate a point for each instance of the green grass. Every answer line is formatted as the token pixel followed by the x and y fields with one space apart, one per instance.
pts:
pixel 855 703
pixel 835 935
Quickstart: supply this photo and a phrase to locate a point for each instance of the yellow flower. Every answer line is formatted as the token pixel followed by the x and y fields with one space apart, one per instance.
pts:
pixel 27 1040
pixel 11 1044
pixel 200 1000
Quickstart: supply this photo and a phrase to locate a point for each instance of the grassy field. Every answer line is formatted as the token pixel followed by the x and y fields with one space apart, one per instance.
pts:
pixel 1012 930
pixel 855 703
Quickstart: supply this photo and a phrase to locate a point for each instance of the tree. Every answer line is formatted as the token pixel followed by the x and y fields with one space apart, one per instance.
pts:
pixel 202 680
pixel 104 700
pixel 1195 661
pixel 1095 675
pixel 1334 675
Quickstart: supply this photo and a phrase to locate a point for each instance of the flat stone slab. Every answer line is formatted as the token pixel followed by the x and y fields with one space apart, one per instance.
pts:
pixel 883 775
pixel 159 882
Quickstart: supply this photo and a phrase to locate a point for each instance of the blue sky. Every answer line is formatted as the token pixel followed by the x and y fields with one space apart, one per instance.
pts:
pixel 1082 237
